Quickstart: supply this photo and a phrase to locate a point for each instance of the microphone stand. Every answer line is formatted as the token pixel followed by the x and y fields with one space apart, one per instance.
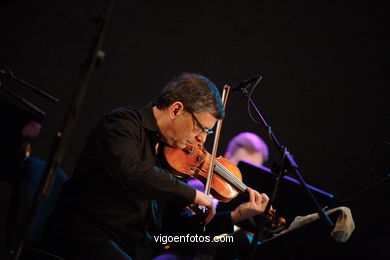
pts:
pixel 9 74
pixel 63 135
pixel 287 164
pixel 23 100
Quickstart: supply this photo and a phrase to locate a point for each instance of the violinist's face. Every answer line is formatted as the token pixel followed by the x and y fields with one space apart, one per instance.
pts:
pixel 187 128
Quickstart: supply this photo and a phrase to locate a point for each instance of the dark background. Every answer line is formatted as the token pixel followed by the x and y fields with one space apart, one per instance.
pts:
pixel 324 88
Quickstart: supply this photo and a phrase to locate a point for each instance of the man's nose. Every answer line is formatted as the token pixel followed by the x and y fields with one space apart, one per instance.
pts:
pixel 201 137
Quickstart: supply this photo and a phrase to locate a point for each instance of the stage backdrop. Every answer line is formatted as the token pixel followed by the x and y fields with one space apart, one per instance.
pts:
pixel 324 89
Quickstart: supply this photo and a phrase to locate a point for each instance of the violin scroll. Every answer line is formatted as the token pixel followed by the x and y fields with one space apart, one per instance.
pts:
pixel 276 222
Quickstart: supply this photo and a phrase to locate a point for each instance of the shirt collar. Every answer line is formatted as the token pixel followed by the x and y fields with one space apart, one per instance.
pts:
pixel 147 117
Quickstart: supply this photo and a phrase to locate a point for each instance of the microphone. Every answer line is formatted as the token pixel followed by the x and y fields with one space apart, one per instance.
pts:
pixel 244 84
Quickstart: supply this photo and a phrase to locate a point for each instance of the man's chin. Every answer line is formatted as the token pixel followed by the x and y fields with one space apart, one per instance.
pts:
pixel 181 146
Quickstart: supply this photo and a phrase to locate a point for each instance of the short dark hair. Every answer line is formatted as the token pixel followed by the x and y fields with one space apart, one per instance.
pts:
pixel 197 93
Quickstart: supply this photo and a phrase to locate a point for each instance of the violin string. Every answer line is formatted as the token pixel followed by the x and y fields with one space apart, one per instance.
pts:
pixel 229 176
pixel 226 175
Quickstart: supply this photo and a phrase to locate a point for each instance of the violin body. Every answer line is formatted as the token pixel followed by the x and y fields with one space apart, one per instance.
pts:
pixel 194 162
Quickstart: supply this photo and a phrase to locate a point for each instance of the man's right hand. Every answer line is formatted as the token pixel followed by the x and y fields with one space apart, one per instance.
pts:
pixel 202 199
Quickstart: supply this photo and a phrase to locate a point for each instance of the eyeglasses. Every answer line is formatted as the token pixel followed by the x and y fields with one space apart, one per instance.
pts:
pixel 204 130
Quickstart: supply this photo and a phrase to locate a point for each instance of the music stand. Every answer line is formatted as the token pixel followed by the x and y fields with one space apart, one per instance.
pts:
pixel 300 243
pixel 263 179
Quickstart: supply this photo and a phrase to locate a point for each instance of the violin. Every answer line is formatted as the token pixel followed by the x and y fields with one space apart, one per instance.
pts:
pixel 226 184
pixel 194 162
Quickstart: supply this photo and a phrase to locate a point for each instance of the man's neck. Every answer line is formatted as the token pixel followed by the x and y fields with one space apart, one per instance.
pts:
pixel 159 116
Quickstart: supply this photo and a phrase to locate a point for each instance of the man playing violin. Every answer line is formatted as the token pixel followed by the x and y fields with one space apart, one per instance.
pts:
pixel 112 205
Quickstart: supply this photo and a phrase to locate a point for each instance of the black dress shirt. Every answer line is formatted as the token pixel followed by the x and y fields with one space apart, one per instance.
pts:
pixel 116 186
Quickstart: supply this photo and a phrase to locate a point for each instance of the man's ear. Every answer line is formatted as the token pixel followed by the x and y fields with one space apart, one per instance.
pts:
pixel 175 109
